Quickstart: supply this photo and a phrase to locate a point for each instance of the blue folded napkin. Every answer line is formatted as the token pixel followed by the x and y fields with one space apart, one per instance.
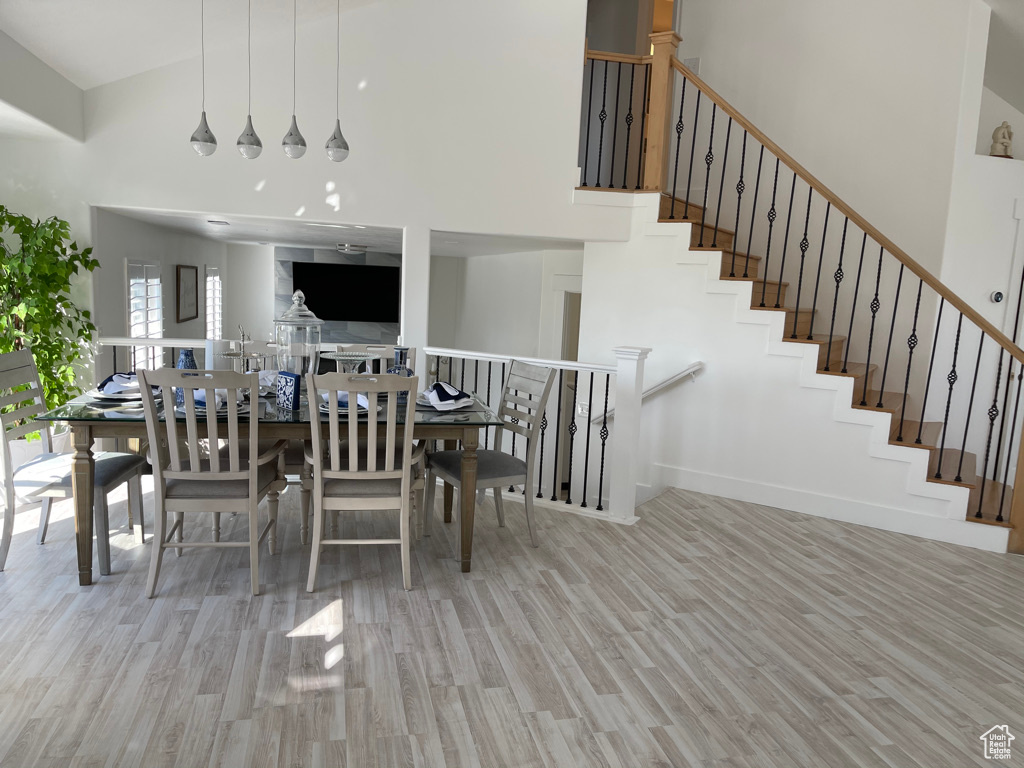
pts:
pixel 446 397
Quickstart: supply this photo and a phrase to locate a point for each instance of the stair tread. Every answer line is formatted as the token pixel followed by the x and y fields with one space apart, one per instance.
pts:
pixel 950 463
pixel 990 503
pixel 756 280
pixel 740 256
pixel 891 401
pixel 930 433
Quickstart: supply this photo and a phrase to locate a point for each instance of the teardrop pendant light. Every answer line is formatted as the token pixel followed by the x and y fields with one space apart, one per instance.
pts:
pixel 203 140
pixel 249 144
pixel 336 146
pixel 293 143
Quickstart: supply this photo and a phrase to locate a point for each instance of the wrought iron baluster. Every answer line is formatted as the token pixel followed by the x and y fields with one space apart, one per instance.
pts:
pixel 615 126
pixel 556 484
pixel 1013 429
pixel 709 159
pixel 540 462
pixel 853 307
pixel 993 412
pixel 892 329
pixel 721 183
pixel 462 381
pixel 772 215
pixel 604 441
pixel 629 124
pixel 693 149
pixel 931 365
pixel 911 345
pixel 785 241
pixel 487 432
pixel 586 451
pixel 970 408
pixel 951 377
pixel 753 213
pixel 590 112
pixel 514 420
pixel 817 280
pixel 740 187
pixel 643 122
pixel 804 245
pixel 680 127
pixel 874 306
pixel 572 436
pixel 838 277
pixel 602 116
pixel 476 375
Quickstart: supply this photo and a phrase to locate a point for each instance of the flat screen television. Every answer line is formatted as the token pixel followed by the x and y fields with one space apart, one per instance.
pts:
pixel 349 292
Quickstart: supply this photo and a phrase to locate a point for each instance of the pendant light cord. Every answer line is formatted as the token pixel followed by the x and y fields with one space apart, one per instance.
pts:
pixel 249 49
pixel 202 45
pixel 337 92
pixel 294 38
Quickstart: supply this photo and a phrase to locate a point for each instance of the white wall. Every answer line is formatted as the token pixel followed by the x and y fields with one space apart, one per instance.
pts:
pixel 39 91
pixel 864 95
pixel 445 275
pixel 994 110
pixel 120 239
pixel 249 291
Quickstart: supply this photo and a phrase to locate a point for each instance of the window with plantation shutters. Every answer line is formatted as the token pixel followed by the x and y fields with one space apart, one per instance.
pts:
pixel 145 313
pixel 214 304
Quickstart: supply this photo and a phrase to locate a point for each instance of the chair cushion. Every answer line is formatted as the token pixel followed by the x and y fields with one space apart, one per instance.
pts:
pixel 490 465
pixel 212 488
pixel 50 473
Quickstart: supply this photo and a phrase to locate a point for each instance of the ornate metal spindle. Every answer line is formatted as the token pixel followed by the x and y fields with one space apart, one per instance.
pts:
pixel 1006 400
pixel 693 149
pixel 1013 429
pixel 740 187
pixel 951 377
pixel 590 112
pixel 572 436
pixel 892 329
pixel 853 307
pixel 817 279
pixel 709 159
pixel 602 116
pixel 911 345
pixel 931 365
pixel 804 245
pixel 785 242
pixel 476 375
pixel 586 450
pixel 721 183
pixel 771 216
pixel 753 213
pixel 615 126
pixel 838 277
pixel 993 412
pixel 514 420
pixel 604 440
pixel 487 432
pixel 874 306
pixel 462 381
pixel 540 462
pixel 643 122
pixel 970 408
pixel 680 127
pixel 629 124
pixel 555 483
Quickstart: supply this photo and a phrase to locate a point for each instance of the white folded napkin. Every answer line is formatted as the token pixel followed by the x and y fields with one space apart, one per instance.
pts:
pixel 445 397
pixel 121 383
pixel 361 400
pixel 268 378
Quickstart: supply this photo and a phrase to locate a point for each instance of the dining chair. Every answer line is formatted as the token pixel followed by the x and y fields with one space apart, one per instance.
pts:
pixel 369 471
pixel 48 475
pixel 521 410
pixel 223 480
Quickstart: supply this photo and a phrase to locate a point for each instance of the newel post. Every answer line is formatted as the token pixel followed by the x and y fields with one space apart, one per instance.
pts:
pixel 629 389
pixel 1015 544
pixel 659 108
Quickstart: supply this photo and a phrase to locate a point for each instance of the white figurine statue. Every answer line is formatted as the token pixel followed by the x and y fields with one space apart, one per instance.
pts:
pixel 1002 141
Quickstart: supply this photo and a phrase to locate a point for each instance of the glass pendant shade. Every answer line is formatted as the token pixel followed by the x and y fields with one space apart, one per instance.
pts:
pixel 203 140
pixel 293 143
pixel 337 147
pixel 249 144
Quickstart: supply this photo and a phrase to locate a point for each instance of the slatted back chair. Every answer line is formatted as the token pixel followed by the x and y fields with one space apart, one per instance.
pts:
pixel 48 475
pixel 223 479
pixel 521 411
pixel 366 462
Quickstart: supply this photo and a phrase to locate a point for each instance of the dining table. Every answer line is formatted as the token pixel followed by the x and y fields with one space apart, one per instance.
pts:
pixel 90 419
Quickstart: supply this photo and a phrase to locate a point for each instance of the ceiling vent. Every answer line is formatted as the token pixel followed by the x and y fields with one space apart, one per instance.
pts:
pixel 347 249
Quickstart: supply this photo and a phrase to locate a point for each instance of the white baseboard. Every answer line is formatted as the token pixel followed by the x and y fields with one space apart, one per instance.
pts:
pixel 987 537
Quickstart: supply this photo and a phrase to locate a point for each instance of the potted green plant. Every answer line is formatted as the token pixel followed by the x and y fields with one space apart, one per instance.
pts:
pixel 38 263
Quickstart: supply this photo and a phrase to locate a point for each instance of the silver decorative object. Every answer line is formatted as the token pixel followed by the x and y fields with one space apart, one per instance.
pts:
pixel 203 140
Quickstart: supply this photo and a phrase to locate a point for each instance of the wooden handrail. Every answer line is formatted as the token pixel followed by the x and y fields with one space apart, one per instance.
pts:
pixel 937 285
pixel 624 58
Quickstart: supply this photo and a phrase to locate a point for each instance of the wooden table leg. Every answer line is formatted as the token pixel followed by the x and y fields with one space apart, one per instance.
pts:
pixel 449 491
pixel 83 469
pixel 467 495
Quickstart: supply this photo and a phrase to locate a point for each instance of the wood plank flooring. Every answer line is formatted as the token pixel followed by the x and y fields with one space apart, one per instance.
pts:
pixel 712 633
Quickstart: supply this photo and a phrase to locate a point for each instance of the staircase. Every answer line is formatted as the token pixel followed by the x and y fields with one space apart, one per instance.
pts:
pixel 949 382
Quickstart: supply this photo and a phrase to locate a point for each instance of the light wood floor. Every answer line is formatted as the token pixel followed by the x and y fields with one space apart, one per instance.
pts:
pixel 712 633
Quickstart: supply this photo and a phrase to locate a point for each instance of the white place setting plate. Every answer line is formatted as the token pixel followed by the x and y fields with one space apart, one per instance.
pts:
pixel 325 408
pixel 120 397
